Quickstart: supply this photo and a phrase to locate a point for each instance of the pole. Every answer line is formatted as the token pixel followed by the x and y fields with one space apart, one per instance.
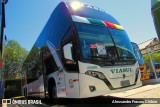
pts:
pixel 153 67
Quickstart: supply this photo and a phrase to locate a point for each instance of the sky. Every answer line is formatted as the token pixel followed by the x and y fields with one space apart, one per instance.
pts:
pixel 25 19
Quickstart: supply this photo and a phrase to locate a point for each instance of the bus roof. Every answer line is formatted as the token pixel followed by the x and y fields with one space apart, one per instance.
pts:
pixel 88 11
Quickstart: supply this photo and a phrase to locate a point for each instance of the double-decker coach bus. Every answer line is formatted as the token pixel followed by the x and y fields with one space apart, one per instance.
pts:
pixel 155 9
pixel 81 52
pixel 144 72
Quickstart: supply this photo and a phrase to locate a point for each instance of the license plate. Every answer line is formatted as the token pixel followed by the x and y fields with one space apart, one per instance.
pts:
pixel 125 83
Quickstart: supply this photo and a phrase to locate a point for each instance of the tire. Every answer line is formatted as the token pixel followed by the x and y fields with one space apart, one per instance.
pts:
pixel 52 91
pixel 25 93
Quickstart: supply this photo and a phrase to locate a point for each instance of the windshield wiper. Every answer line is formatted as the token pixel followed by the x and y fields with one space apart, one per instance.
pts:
pixel 97 56
pixel 105 58
pixel 126 59
pixel 104 61
pixel 121 58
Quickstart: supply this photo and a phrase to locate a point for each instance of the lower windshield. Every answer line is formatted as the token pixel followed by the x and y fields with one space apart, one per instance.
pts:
pixel 97 42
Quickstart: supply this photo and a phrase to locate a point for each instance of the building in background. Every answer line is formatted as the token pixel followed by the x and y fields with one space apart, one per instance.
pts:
pixel 155 8
pixel 152 45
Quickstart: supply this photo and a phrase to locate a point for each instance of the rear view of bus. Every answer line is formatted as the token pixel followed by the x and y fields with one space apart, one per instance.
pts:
pixel 85 53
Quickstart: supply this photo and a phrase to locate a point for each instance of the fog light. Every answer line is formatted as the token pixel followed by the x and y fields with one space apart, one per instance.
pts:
pixel 92 88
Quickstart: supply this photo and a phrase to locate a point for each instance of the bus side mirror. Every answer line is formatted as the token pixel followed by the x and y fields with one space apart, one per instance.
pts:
pixel 67 50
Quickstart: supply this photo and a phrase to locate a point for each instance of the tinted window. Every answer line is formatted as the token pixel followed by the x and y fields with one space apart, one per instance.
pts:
pixel 69 57
pixel 51 65
pixel 123 43
pixel 92 36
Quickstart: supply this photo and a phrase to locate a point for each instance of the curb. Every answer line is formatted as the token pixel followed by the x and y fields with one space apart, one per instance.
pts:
pixel 129 93
pixel 151 81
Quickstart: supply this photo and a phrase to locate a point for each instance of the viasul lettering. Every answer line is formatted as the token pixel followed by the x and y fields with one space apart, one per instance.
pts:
pixel 123 70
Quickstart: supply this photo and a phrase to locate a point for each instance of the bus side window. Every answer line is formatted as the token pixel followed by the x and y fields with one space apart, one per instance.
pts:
pixel 51 65
pixel 68 54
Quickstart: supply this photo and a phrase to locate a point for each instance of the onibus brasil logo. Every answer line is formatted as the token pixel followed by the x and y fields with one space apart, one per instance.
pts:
pixel 13 101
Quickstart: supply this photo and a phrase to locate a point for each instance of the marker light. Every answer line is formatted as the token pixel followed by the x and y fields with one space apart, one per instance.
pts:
pixel 112 25
pixel 76 5
pixel 108 24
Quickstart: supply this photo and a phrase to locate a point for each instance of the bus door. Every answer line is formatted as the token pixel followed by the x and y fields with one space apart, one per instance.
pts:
pixel 54 70
pixel 70 62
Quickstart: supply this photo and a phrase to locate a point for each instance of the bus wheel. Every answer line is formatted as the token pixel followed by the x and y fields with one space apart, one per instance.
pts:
pixel 25 93
pixel 52 91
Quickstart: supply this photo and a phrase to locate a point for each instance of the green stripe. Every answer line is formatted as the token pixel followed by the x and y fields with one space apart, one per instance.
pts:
pixel 93 21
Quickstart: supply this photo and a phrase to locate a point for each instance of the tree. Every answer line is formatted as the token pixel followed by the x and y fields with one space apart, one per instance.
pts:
pixel 14 56
pixel 155 57
pixel 146 58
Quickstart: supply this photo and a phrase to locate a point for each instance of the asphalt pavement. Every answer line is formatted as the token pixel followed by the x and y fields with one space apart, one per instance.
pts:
pixel 149 93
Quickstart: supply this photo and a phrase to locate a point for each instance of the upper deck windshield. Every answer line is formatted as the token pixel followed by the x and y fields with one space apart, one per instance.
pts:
pixel 99 43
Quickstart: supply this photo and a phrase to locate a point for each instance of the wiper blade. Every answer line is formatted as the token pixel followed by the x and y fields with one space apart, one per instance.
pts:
pixel 102 57
pixel 97 56
pixel 120 58
pixel 105 58
pixel 126 59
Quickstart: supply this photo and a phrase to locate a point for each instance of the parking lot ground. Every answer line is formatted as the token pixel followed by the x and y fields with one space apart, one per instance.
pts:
pixel 149 92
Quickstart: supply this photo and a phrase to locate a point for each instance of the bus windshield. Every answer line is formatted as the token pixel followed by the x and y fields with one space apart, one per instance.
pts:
pixel 123 44
pixel 97 42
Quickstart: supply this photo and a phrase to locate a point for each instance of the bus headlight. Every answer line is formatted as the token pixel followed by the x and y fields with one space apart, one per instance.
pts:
pixel 96 74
